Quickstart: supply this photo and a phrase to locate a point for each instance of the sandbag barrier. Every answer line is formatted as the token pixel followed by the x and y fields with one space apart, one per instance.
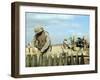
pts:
pixel 65 59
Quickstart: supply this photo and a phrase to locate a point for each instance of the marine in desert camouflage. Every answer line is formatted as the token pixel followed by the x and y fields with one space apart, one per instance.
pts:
pixel 42 42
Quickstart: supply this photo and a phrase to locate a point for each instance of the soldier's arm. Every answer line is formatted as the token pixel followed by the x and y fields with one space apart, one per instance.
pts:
pixel 34 41
pixel 48 42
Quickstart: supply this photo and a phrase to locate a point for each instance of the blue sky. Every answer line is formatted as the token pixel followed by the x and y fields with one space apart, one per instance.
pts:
pixel 59 26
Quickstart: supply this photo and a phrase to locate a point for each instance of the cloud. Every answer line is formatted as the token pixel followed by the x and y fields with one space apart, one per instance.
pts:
pixel 48 16
pixel 76 25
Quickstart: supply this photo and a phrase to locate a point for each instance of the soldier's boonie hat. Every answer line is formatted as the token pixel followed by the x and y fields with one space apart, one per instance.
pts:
pixel 38 29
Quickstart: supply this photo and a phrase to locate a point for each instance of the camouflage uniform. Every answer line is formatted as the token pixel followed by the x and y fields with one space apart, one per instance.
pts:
pixel 42 42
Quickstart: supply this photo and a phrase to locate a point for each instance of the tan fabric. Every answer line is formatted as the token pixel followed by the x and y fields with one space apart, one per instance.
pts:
pixel 41 38
pixel 42 41
pixel 38 29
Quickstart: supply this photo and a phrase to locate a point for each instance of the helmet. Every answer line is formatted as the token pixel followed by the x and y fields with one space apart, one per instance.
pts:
pixel 38 29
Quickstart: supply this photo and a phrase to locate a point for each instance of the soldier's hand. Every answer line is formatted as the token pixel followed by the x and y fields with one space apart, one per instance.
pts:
pixel 41 51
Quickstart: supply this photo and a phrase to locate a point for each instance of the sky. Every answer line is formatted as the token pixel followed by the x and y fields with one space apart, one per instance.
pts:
pixel 59 25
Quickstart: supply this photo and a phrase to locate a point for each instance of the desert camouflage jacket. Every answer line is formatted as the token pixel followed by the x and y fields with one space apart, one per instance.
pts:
pixel 42 41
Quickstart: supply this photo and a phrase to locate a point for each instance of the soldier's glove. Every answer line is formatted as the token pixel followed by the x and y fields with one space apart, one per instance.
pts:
pixel 42 52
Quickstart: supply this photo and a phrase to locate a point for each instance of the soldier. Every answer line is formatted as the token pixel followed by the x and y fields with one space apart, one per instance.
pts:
pixel 42 41
pixel 85 43
pixel 65 43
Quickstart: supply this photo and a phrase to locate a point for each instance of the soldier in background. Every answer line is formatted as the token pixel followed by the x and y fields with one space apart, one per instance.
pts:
pixel 85 43
pixel 42 42
pixel 65 44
